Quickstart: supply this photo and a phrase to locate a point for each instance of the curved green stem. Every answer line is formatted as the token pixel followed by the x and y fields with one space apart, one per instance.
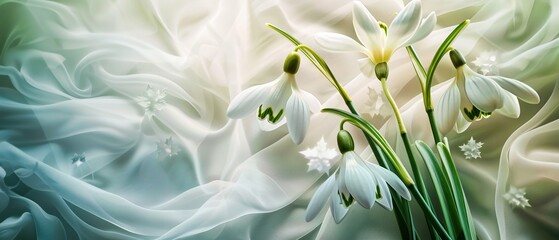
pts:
pixel 405 139
pixel 394 106
pixel 403 133
pixel 325 70
pixel 443 49
pixel 433 123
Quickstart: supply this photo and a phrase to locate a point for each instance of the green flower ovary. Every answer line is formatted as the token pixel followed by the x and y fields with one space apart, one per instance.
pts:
pixel 476 114
pixel 269 114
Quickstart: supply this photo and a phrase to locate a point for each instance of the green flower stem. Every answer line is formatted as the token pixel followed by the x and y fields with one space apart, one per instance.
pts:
pixel 433 123
pixel 403 133
pixel 430 215
pixel 405 139
pixel 326 71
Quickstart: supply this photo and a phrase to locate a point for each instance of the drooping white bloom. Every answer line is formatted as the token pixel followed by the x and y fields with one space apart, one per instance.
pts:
pixel 476 96
pixel 355 181
pixel 320 157
pixel 78 159
pixel 471 149
pixel 486 63
pixel 278 102
pixel 167 148
pixel 517 197
pixel 153 100
pixel 377 104
pixel 378 41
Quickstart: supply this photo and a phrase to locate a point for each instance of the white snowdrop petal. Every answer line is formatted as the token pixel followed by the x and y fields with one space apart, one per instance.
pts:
pixel 248 100
pixel 298 116
pixel 518 88
pixel 366 27
pixel 404 25
pixel 360 183
pixel 320 197
pixel 335 42
pixel 448 108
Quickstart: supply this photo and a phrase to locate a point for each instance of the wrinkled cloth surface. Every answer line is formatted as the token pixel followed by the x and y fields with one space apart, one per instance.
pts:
pixel 71 73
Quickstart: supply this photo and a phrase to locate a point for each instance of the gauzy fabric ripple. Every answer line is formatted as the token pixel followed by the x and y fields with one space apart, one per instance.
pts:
pixel 71 73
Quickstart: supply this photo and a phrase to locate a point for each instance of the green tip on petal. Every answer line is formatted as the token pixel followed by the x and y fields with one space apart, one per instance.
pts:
pixel 457 58
pixel 381 70
pixel 291 64
pixel 384 27
pixel 345 141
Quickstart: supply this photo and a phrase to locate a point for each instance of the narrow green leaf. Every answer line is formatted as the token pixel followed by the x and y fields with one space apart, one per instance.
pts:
pixel 457 190
pixel 286 35
pixel 417 66
pixel 442 188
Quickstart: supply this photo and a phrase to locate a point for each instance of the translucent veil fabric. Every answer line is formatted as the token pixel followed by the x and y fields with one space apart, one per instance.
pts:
pixel 71 74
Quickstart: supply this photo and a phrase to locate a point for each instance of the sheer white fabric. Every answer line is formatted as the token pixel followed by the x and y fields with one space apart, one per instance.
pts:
pixel 70 72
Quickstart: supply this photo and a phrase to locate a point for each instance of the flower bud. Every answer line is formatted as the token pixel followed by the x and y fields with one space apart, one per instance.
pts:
pixel 291 64
pixel 345 141
pixel 456 58
pixel 381 70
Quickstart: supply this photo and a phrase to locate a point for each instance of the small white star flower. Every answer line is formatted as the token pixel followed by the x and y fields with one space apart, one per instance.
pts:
pixel 471 149
pixel 377 104
pixel 167 149
pixel 320 157
pixel 516 197
pixel 78 159
pixel 486 63
pixel 153 100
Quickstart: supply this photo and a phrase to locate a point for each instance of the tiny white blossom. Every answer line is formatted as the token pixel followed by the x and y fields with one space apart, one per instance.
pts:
pixel 377 104
pixel 167 149
pixel 471 149
pixel 486 63
pixel 320 157
pixel 153 100
pixel 78 159
pixel 516 197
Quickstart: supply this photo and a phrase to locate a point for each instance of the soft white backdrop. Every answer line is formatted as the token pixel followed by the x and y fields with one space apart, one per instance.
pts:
pixel 71 73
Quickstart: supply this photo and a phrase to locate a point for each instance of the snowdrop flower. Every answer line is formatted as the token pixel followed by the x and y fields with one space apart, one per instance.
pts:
pixel 516 197
pixel 153 101
pixel 320 157
pixel 379 41
pixel 471 149
pixel 477 96
pixel 278 102
pixel 355 181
